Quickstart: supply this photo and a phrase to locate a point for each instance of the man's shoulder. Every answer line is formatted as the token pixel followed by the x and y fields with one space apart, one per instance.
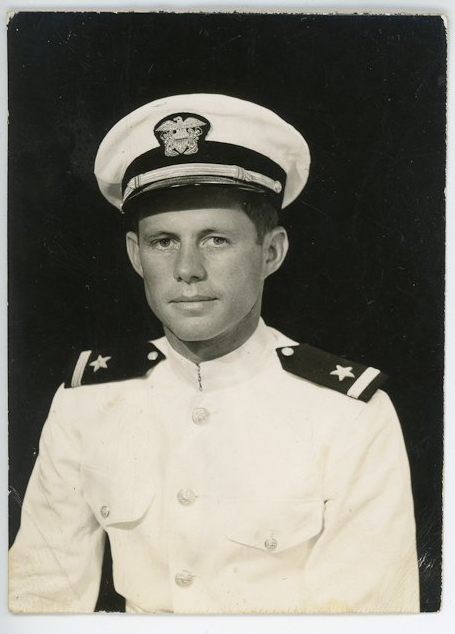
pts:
pixel 112 363
pixel 351 378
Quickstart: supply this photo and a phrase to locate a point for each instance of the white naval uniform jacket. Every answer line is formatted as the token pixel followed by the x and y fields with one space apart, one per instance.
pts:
pixel 236 487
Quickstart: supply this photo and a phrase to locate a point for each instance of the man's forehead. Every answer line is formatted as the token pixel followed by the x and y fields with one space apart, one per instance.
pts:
pixel 196 222
pixel 193 199
pixel 198 212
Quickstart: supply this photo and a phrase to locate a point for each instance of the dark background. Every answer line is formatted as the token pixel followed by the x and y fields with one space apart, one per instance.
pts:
pixel 365 274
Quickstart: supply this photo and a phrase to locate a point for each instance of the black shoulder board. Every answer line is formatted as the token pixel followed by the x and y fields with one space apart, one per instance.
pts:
pixel 350 378
pixel 105 365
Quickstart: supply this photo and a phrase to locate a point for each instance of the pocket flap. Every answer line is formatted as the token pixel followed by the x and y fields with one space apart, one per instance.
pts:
pixel 274 525
pixel 114 498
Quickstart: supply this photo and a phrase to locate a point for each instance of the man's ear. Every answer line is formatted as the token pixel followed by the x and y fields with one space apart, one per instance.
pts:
pixel 132 247
pixel 276 245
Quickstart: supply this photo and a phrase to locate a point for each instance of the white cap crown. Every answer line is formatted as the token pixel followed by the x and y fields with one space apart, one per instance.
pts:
pixel 201 138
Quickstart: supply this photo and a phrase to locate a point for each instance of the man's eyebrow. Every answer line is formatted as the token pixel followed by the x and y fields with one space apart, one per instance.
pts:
pixel 216 230
pixel 154 234
pixel 159 233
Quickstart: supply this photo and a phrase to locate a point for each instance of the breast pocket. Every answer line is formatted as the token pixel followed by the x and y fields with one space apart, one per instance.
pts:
pixel 274 526
pixel 117 499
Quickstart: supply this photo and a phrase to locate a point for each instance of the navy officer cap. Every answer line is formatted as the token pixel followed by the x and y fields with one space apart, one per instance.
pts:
pixel 199 139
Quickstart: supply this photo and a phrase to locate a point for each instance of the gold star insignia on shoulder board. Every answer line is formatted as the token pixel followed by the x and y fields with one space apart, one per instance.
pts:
pixel 342 373
pixel 133 359
pixel 100 362
pixel 315 365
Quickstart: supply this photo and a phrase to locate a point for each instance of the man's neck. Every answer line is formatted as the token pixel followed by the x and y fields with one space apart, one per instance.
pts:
pixel 200 351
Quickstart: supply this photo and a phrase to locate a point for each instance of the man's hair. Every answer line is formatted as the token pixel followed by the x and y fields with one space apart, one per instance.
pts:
pixel 263 214
pixel 258 206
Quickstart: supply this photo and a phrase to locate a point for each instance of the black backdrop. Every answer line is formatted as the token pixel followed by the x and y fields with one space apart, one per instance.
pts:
pixel 365 274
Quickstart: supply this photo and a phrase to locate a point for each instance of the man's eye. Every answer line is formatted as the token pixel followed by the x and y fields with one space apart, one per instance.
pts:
pixel 163 244
pixel 216 241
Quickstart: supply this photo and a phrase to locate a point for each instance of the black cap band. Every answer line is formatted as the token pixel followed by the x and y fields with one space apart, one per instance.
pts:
pixel 210 152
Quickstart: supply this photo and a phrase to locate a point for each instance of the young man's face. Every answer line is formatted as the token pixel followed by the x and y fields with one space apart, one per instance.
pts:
pixel 203 268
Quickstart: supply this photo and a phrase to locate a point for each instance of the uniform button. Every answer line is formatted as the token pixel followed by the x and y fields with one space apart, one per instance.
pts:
pixel 200 415
pixel 105 510
pixel 287 352
pixel 152 356
pixel 184 578
pixel 271 543
pixel 186 497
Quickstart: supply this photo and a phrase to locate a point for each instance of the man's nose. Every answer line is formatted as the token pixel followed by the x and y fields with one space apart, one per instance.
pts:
pixel 188 265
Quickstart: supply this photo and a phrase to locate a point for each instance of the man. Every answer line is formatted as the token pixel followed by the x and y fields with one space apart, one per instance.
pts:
pixel 233 469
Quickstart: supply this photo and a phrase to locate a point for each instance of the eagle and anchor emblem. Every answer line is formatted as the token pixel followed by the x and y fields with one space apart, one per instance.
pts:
pixel 181 133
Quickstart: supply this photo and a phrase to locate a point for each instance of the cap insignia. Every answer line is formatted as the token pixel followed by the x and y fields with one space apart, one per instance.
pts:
pixel 181 133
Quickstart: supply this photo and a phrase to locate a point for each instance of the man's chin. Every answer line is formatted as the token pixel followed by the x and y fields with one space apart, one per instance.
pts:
pixel 193 330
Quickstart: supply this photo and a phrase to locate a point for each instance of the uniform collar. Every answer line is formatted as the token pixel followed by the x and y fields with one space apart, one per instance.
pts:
pixel 232 368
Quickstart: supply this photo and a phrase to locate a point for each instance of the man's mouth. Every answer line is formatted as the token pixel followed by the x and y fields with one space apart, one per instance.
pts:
pixel 184 299
pixel 193 304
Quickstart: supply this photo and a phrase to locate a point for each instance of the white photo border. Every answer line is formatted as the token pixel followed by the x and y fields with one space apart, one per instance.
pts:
pixel 441 622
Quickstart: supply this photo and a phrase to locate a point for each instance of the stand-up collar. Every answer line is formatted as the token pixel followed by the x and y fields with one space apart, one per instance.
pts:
pixel 234 367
